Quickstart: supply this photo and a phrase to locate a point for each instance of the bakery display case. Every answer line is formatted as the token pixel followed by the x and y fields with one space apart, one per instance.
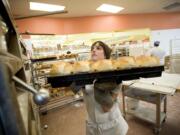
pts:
pixel 80 44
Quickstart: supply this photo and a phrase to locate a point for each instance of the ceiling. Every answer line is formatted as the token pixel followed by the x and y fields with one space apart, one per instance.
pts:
pixel 77 8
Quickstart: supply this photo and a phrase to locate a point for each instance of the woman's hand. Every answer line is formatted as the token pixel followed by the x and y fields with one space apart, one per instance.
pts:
pixel 105 108
pixel 114 96
pixel 76 88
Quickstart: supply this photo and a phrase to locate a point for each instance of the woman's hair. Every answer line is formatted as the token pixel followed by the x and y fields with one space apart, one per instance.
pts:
pixel 107 50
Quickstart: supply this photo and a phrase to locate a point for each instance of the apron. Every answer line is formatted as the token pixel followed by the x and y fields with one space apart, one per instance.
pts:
pixel 100 123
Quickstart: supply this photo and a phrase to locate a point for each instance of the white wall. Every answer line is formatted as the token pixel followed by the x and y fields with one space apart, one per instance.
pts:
pixel 164 36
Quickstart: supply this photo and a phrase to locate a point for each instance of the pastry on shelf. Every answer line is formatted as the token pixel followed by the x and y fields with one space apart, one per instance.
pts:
pixel 67 56
pixel 43 66
pixel 69 93
pixel 46 65
pixel 74 55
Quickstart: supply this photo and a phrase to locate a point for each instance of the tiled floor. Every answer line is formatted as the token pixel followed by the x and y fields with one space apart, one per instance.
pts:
pixel 71 121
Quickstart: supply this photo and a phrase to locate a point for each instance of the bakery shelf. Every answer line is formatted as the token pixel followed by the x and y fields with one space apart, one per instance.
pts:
pixel 44 59
pixel 117 75
pixel 43 68
pixel 50 59
pixel 59 103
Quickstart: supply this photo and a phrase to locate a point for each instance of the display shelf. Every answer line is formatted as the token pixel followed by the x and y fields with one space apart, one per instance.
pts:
pixel 59 103
pixel 50 59
pixel 35 68
pixel 43 68
pixel 40 80
pixel 44 59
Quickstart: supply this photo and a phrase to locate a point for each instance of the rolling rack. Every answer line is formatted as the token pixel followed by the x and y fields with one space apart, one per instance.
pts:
pixel 57 100
pixel 34 71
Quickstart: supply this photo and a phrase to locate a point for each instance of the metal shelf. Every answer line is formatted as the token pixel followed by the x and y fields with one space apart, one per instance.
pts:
pixel 146 96
pixel 59 103
pixel 44 59
pixel 146 114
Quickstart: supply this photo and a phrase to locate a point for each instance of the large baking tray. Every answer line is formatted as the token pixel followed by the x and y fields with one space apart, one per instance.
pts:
pixel 117 75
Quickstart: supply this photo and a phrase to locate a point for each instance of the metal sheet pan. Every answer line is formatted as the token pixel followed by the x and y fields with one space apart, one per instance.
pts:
pixel 117 75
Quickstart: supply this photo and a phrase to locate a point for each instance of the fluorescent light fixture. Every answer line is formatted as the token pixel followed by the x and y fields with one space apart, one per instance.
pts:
pixel 45 7
pixel 109 8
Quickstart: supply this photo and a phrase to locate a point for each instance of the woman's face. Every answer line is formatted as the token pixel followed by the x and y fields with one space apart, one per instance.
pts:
pixel 97 53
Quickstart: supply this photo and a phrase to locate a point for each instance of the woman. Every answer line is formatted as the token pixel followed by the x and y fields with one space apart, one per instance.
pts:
pixel 104 116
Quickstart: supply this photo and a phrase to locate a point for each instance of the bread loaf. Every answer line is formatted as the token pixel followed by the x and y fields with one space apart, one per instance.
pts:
pixel 58 68
pixel 81 66
pixel 147 61
pixel 123 63
pixel 68 69
pixel 101 65
pixel 65 68
pixel 62 68
pixel 129 59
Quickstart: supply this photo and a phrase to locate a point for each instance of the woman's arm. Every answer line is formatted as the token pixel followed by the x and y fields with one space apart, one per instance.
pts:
pixel 76 88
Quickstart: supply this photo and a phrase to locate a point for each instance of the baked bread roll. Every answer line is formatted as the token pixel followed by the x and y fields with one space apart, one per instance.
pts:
pixel 58 68
pixel 101 65
pixel 129 59
pixel 81 66
pixel 62 68
pixel 68 69
pixel 147 61
pixel 124 62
